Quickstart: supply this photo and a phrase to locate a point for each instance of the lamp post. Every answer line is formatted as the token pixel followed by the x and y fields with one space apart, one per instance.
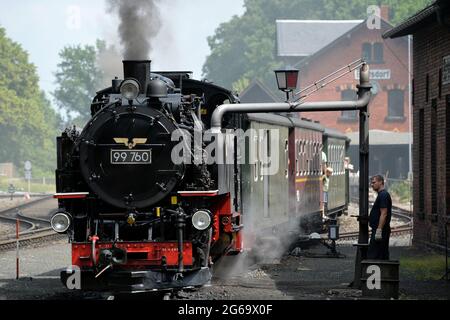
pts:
pixel 287 80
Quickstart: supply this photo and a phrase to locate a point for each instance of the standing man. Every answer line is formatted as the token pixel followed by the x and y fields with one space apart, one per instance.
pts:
pixel 379 221
pixel 11 190
pixel 325 187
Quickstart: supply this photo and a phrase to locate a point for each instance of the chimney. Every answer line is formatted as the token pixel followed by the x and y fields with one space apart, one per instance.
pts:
pixel 385 12
pixel 138 70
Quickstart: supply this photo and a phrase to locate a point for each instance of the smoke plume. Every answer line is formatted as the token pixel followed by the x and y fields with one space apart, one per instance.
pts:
pixel 140 22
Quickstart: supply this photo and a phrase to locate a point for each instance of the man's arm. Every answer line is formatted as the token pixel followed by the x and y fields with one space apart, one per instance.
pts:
pixel 383 217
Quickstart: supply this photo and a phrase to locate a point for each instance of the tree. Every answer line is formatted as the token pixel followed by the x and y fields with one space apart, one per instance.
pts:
pixel 78 79
pixel 27 121
pixel 244 48
pixel 82 72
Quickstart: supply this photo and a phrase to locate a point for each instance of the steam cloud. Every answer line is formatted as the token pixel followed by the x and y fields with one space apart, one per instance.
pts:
pixel 140 22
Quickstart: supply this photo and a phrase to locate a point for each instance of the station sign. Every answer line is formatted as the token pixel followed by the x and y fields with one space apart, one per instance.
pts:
pixel 27 165
pixel 376 74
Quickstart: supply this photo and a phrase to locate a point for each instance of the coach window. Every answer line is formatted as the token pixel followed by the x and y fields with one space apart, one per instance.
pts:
pixel 396 101
pixel 256 158
pixel 304 158
pixel 261 161
pixel 297 154
pixel 315 159
pixel 286 158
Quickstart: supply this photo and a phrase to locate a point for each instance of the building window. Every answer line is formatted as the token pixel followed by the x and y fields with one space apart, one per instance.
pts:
pixel 373 53
pixel 413 93
pixel 427 88
pixel 378 53
pixel 367 52
pixel 396 100
pixel 348 115
pixel 440 83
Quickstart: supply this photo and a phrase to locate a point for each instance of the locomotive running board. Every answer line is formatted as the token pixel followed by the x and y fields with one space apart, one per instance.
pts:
pixel 71 195
pixel 211 193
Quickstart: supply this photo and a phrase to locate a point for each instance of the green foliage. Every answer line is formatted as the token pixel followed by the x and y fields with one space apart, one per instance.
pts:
pixel 245 47
pixel 82 72
pixel 22 185
pixel 27 121
pixel 78 79
pixel 401 190
pixel 427 267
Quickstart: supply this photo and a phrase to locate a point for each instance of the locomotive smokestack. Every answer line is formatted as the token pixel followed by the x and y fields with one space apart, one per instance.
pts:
pixel 139 70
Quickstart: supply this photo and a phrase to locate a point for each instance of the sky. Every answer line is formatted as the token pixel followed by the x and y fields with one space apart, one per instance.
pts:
pixel 45 27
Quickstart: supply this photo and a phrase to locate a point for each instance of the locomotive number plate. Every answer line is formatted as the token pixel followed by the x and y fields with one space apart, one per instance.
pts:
pixel 131 156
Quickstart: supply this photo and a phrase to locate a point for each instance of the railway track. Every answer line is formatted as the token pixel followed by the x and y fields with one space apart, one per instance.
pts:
pixel 399 213
pixel 32 229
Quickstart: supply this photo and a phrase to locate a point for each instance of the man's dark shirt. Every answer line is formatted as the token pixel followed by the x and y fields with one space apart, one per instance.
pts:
pixel 383 201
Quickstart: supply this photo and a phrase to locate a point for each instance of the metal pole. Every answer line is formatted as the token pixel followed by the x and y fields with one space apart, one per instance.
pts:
pixel 17 249
pixel 363 218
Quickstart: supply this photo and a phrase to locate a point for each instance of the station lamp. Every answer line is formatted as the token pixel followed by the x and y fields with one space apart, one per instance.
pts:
pixel 287 80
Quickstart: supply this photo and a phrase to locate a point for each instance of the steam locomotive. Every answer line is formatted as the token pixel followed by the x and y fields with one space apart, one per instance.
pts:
pixel 140 220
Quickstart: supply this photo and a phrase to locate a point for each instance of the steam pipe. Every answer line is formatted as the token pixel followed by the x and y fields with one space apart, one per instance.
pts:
pixel 360 104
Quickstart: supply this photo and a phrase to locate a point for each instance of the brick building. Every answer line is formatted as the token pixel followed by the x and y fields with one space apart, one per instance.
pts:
pixel 431 113
pixel 346 41
pixel 7 170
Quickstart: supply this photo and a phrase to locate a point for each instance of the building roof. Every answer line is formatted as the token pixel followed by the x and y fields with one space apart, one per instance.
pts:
pixel 421 18
pixel 257 92
pixel 300 38
pixel 381 137
pixel 328 46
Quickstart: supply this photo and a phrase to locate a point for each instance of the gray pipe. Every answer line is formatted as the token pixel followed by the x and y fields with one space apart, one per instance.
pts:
pixel 361 103
pixel 219 113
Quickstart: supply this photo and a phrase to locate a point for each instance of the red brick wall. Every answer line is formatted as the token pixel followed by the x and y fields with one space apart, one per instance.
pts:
pixel 431 44
pixel 348 50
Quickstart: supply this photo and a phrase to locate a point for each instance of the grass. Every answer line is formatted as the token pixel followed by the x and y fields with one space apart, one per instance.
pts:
pixel 429 267
pixel 22 185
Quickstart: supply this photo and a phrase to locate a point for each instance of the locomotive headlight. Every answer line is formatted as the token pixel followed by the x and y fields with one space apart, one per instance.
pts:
pixel 201 220
pixel 60 222
pixel 129 89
